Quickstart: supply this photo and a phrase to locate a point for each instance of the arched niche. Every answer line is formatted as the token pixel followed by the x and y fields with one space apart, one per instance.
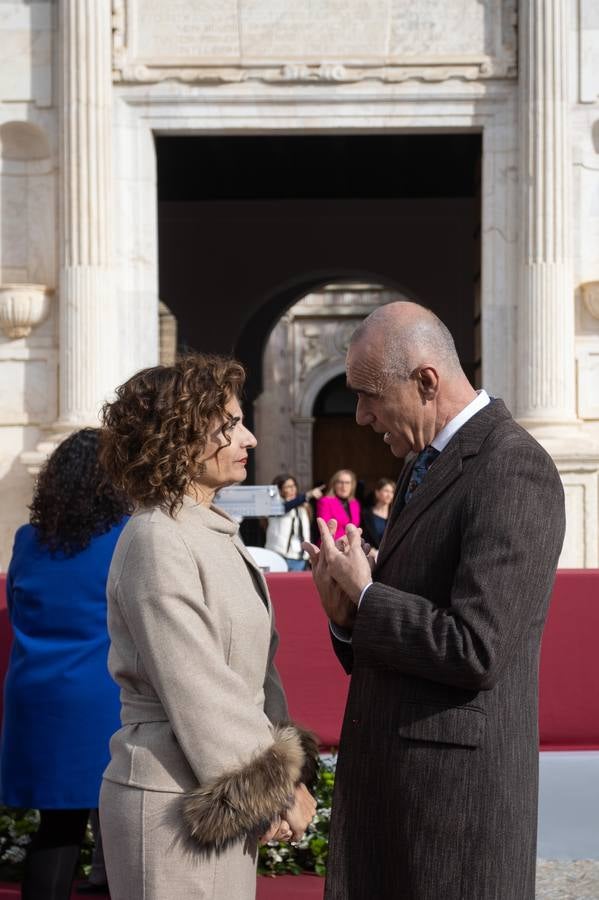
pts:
pixel 251 345
pixel 23 141
pixel 28 210
pixel 304 351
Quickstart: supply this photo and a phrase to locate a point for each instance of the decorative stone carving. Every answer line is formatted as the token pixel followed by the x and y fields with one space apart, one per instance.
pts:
pixel 312 42
pixel 342 336
pixel 590 297
pixel 326 72
pixel 305 350
pixel 302 433
pixel 22 307
pixel 313 350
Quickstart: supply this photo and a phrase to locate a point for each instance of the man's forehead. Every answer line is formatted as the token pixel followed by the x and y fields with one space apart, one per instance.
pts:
pixel 363 367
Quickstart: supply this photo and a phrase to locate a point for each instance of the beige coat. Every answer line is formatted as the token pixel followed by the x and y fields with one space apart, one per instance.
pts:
pixel 193 641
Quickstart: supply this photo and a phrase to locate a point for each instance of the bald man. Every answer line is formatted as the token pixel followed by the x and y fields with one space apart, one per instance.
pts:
pixel 436 791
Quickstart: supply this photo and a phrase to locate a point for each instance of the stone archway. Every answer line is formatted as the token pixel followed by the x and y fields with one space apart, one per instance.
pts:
pixel 306 350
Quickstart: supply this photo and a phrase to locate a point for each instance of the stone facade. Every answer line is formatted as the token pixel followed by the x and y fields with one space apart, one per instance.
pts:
pixel 78 227
pixel 305 350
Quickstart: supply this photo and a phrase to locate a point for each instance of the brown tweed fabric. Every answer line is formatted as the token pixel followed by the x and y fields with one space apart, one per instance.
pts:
pixel 436 793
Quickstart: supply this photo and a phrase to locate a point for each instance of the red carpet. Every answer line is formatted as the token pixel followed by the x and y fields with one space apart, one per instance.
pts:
pixel 290 887
pixel 294 887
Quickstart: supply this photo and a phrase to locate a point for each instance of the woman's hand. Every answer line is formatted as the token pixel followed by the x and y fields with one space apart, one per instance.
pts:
pixel 279 830
pixel 316 492
pixel 302 812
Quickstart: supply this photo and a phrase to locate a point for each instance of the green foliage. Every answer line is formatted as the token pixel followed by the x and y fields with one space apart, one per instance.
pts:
pixel 17 826
pixel 310 854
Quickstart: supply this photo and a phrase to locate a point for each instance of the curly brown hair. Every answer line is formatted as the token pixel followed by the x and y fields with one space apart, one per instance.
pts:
pixel 156 430
pixel 72 501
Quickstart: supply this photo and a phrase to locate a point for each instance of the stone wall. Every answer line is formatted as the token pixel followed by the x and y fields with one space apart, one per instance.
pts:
pixel 28 250
pixel 77 163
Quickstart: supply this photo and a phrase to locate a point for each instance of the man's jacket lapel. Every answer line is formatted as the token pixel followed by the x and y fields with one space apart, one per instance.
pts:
pixel 442 473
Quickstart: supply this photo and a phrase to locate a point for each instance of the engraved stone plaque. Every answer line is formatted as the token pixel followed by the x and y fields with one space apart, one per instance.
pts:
pixel 185 31
pixel 284 30
pixel 433 28
pixel 320 41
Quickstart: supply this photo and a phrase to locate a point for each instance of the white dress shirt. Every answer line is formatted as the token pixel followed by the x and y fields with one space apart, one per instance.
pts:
pixel 439 442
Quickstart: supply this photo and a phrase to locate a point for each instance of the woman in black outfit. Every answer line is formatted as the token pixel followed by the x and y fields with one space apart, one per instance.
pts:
pixel 374 519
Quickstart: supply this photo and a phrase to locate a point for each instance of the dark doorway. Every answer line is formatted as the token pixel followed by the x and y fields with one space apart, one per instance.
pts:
pixel 340 443
pixel 248 224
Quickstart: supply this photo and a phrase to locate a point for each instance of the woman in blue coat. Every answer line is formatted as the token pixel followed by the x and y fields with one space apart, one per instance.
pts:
pixel 60 704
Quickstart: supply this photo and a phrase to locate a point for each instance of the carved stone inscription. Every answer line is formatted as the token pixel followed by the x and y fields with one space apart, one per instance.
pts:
pixel 431 28
pixel 281 30
pixel 312 40
pixel 185 30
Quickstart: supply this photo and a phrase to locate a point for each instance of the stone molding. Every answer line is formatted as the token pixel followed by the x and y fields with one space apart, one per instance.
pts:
pixel 241 45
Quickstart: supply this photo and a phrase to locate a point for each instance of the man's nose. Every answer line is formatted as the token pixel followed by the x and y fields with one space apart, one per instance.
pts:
pixel 363 417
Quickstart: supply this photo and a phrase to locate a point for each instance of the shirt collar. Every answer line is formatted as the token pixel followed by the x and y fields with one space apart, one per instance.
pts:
pixel 442 439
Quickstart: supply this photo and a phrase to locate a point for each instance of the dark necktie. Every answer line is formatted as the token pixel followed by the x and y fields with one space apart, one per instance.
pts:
pixel 423 462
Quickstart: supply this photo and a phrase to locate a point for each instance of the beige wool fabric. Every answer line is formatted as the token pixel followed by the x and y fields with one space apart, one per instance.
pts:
pixel 193 641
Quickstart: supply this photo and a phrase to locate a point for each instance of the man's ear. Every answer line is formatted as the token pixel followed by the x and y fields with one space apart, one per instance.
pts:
pixel 428 382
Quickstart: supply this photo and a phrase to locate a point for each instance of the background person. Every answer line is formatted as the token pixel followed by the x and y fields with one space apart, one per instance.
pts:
pixel 374 518
pixel 205 763
pixel 60 704
pixel 436 787
pixel 339 501
pixel 285 534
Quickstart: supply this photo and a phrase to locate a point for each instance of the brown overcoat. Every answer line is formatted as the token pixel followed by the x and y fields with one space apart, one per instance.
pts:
pixel 436 792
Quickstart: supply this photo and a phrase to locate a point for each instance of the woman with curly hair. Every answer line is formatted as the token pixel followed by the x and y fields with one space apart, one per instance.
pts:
pixel 206 764
pixel 60 703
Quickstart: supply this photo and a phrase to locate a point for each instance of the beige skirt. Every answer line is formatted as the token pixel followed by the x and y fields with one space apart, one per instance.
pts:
pixel 149 856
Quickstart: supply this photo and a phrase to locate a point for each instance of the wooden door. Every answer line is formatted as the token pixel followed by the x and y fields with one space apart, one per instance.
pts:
pixel 340 443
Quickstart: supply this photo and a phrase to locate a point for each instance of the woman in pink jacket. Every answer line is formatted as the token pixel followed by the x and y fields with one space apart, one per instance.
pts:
pixel 339 501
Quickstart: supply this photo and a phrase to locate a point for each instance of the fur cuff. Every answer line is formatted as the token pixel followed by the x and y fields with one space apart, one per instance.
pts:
pixel 311 766
pixel 243 803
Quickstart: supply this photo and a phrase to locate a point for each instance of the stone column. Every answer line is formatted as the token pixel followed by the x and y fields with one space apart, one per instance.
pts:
pixel 303 426
pixel 546 388
pixel 87 339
